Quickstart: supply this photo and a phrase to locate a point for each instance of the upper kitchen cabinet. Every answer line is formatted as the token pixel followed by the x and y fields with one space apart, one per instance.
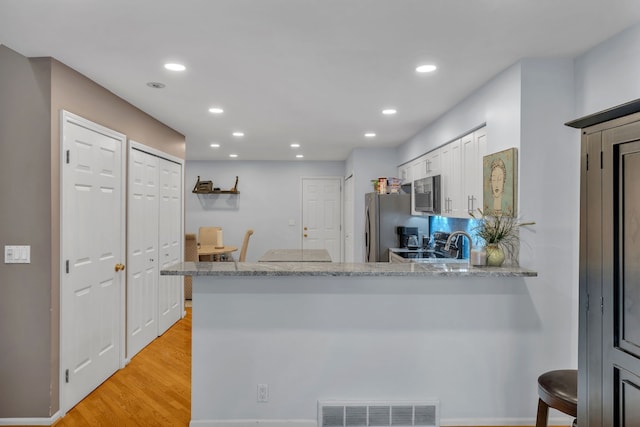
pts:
pixel 450 178
pixel 419 168
pixel 404 173
pixel 473 147
pixel 432 163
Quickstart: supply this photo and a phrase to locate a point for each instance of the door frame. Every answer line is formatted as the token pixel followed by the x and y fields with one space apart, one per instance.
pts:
pixel 68 117
pixel 341 199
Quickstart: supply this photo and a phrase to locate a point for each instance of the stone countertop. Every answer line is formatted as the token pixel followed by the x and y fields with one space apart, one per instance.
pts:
pixel 379 269
pixel 296 255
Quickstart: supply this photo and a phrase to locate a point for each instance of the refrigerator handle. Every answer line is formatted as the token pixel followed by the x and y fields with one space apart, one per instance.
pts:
pixel 366 233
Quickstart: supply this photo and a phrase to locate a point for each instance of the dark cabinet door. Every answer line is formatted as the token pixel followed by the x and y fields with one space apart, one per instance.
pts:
pixel 621 276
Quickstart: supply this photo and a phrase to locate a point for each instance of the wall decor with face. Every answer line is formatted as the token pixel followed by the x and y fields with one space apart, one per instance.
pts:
pixel 500 183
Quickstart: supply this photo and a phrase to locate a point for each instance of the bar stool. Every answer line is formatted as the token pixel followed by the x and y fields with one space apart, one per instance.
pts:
pixel 557 390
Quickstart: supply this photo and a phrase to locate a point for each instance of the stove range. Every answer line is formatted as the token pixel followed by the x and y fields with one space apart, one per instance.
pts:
pixel 438 251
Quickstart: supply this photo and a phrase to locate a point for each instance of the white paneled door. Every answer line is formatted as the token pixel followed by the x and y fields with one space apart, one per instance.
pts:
pixel 142 249
pixel 322 215
pixel 92 254
pixel 170 289
pixel 154 302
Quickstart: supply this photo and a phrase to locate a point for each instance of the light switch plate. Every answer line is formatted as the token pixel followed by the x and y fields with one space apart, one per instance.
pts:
pixel 17 254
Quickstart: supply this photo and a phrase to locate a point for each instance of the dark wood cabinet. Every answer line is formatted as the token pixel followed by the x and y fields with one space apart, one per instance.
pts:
pixel 609 332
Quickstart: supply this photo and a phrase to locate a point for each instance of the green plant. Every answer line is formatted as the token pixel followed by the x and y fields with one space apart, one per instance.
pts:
pixel 500 230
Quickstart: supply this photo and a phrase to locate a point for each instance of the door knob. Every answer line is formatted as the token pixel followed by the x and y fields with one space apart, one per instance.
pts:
pixel 119 267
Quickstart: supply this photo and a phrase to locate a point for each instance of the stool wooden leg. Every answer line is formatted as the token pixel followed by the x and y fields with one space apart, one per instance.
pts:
pixel 543 414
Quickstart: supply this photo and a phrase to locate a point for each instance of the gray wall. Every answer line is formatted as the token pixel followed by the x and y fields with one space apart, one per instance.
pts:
pixel 33 91
pixel 607 75
pixel 25 197
pixel 367 164
pixel 270 197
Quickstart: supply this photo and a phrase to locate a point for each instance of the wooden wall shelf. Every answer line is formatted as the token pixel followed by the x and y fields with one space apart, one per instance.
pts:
pixel 217 192
pixel 206 187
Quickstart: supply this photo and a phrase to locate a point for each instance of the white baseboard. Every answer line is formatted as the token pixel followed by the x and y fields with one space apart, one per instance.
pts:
pixel 555 421
pixel 30 421
pixel 559 421
pixel 253 423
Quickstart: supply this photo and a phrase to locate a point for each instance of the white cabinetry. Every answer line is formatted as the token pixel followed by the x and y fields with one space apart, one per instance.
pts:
pixel 432 162
pixel 474 147
pixel 419 168
pixel 450 178
pixel 459 164
pixel 404 173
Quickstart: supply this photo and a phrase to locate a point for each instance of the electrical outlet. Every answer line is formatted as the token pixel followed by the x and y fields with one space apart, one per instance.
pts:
pixel 263 392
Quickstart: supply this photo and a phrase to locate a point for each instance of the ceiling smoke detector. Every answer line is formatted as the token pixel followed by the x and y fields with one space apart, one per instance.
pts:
pixel 156 85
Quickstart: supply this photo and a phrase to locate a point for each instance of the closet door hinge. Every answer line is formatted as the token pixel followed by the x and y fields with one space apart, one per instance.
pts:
pixel 68 155
pixel 66 376
pixel 66 266
pixel 601 161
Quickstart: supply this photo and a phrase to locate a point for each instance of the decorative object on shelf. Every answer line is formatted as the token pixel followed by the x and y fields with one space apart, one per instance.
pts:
pixel 203 186
pixel 500 178
pixel 206 187
pixel 478 256
pixel 501 236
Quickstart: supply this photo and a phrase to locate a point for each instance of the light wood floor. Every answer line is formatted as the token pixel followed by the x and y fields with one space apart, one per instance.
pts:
pixel 154 389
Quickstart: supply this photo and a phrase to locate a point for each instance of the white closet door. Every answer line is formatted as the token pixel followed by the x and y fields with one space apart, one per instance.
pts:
pixel 92 282
pixel 171 300
pixel 142 269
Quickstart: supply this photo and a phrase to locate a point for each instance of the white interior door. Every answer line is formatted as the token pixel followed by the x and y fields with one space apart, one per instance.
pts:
pixel 322 215
pixel 171 288
pixel 92 250
pixel 142 249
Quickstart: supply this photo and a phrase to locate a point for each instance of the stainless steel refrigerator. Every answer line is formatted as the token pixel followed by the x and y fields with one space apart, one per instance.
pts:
pixel 383 214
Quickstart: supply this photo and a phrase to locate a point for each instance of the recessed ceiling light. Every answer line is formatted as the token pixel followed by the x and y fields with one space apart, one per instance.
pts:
pixel 295 145
pixel 175 67
pixel 156 85
pixel 214 145
pixel 238 134
pixel 389 111
pixel 233 155
pixel 216 110
pixel 427 68
pixel 299 156
pixel 369 135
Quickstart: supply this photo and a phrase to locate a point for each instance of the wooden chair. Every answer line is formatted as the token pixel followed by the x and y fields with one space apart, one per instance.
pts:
pixel 208 236
pixel 557 390
pixel 245 245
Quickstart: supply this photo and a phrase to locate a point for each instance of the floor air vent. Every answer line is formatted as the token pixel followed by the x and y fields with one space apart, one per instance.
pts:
pixel 378 414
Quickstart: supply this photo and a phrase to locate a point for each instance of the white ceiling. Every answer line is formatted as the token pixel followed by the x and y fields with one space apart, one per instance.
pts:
pixel 316 72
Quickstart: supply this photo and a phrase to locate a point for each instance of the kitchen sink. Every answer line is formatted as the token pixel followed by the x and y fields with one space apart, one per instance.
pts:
pixel 422 256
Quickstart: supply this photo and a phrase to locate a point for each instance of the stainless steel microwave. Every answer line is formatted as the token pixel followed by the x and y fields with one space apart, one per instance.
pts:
pixel 426 194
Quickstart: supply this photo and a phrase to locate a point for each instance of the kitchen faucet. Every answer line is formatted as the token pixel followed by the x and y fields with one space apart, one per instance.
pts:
pixel 446 246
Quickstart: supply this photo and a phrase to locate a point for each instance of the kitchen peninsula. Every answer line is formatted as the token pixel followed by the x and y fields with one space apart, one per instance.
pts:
pixel 302 332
